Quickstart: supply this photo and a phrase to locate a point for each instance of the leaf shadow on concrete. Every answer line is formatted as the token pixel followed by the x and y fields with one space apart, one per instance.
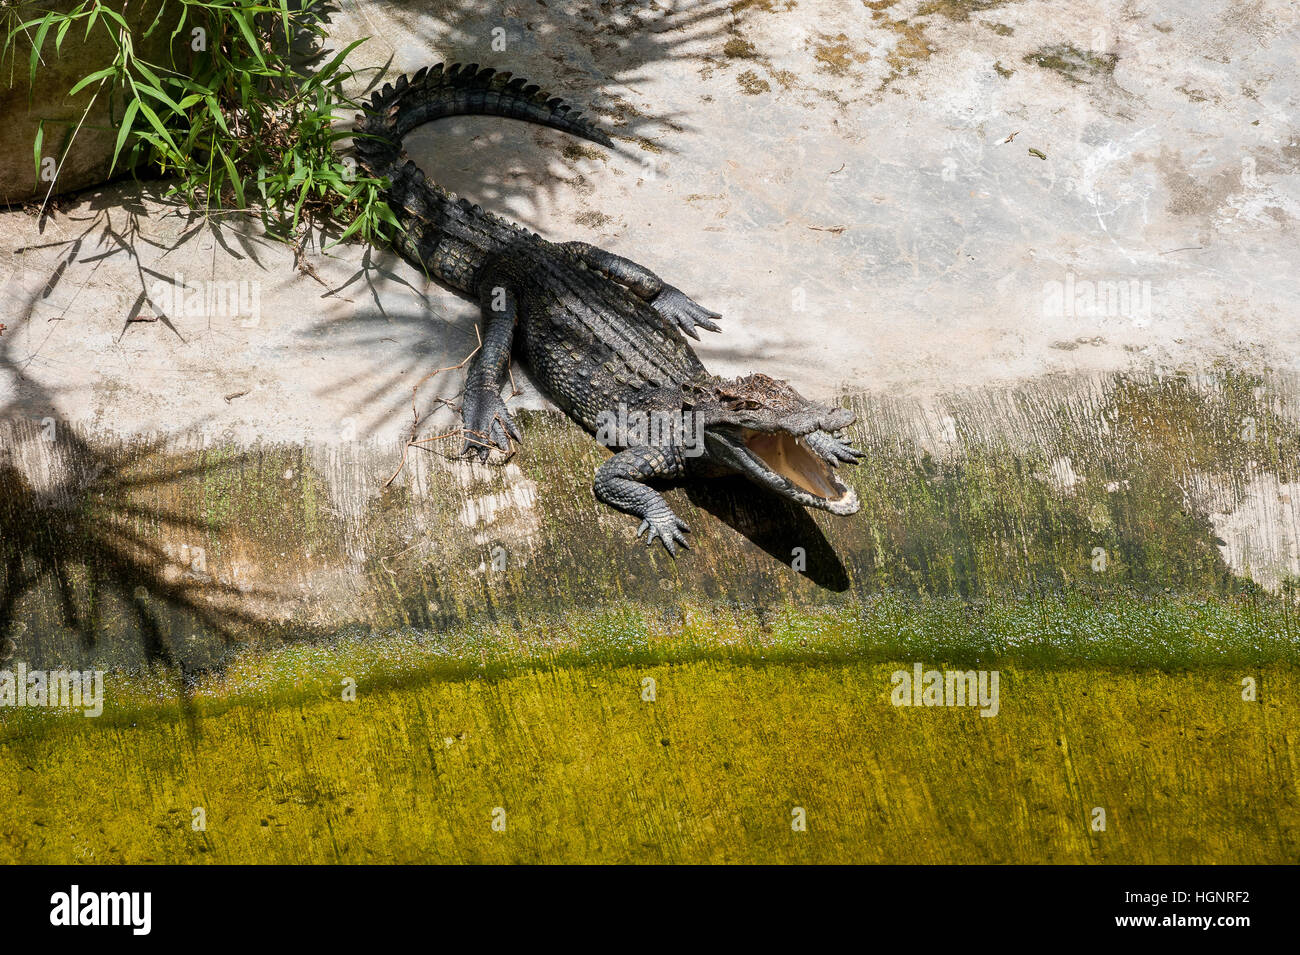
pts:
pixel 82 578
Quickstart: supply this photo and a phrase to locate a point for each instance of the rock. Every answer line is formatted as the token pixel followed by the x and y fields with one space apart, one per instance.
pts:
pixel 90 153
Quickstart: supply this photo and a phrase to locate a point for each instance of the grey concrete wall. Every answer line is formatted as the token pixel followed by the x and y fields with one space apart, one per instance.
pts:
pixel 861 223
pixel 183 546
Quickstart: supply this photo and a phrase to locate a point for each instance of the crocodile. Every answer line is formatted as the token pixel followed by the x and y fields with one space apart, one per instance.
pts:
pixel 604 337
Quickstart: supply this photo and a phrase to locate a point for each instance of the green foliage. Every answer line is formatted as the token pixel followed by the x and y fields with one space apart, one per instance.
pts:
pixel 242 115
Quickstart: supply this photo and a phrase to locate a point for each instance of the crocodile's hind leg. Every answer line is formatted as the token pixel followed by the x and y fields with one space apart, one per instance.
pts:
pixel 619 483
pixel 670 302
pixel 486 421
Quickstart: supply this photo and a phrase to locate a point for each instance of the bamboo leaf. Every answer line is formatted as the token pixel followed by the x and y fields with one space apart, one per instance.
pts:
pixel 241 21
pixel 40 139
pixel 328 70
pixel 356 224
pixel 63 31
pixel 215 109
pixel 180 25
pixel 127 119
pixel 85 81
pixel 234 177
pixel 156 123
pixel 161 97
pixel 114 15
pixel 38 42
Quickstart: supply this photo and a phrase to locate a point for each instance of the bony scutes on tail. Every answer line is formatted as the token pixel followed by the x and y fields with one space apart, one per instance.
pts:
pixel 604 337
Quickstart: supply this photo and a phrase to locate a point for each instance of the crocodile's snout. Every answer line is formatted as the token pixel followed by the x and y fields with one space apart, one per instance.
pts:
pixel 836 419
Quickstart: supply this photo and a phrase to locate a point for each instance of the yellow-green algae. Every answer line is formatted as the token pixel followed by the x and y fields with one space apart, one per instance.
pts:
pixel 1133 705
pixel 712 770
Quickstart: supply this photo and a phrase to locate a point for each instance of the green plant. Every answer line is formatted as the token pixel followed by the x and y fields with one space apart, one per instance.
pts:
pixel 241 116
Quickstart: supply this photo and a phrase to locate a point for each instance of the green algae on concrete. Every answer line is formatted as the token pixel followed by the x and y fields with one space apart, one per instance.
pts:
pixel 1072 63
pixel 958 10
pixel 1106 486
pixel 686 762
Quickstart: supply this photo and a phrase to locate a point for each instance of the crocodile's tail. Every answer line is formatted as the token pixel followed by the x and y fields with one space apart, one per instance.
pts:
pixel 455 90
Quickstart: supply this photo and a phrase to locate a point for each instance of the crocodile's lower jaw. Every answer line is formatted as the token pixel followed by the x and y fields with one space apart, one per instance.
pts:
pixel 847 503
pixel 808 478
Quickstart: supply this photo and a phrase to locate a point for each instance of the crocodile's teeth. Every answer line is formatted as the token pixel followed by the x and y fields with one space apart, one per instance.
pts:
pixel 789 458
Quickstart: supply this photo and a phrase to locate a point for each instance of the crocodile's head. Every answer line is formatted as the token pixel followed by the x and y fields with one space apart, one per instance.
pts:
pixel 758 426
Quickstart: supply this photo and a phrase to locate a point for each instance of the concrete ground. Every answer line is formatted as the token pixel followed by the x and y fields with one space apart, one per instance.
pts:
pixel 908 197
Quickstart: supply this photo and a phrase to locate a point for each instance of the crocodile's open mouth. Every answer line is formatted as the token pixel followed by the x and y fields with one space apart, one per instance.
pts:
pixel 806 476
pixel 789 457
pixel 784 463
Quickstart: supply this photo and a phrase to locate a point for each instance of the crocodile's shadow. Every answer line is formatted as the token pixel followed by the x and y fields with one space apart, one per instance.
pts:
pixel 783 529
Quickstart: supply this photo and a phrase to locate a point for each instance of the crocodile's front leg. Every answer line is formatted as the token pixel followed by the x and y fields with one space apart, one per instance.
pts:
pixel 670 302
pixel 619 483
pixel 833 448
pixel 486 422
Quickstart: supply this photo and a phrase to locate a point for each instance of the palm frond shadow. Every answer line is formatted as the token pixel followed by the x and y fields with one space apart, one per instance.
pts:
pixel 113 226
pixel 83 576
pixel 75 547
pixel 594 59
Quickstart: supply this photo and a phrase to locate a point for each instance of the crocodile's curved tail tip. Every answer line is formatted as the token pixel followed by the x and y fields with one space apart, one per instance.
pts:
pixel 469 90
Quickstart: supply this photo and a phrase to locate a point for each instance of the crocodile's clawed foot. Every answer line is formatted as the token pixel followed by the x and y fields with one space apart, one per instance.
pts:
pixel 668 527
pixel 487 424
pixel 833 448
pixel 674 305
